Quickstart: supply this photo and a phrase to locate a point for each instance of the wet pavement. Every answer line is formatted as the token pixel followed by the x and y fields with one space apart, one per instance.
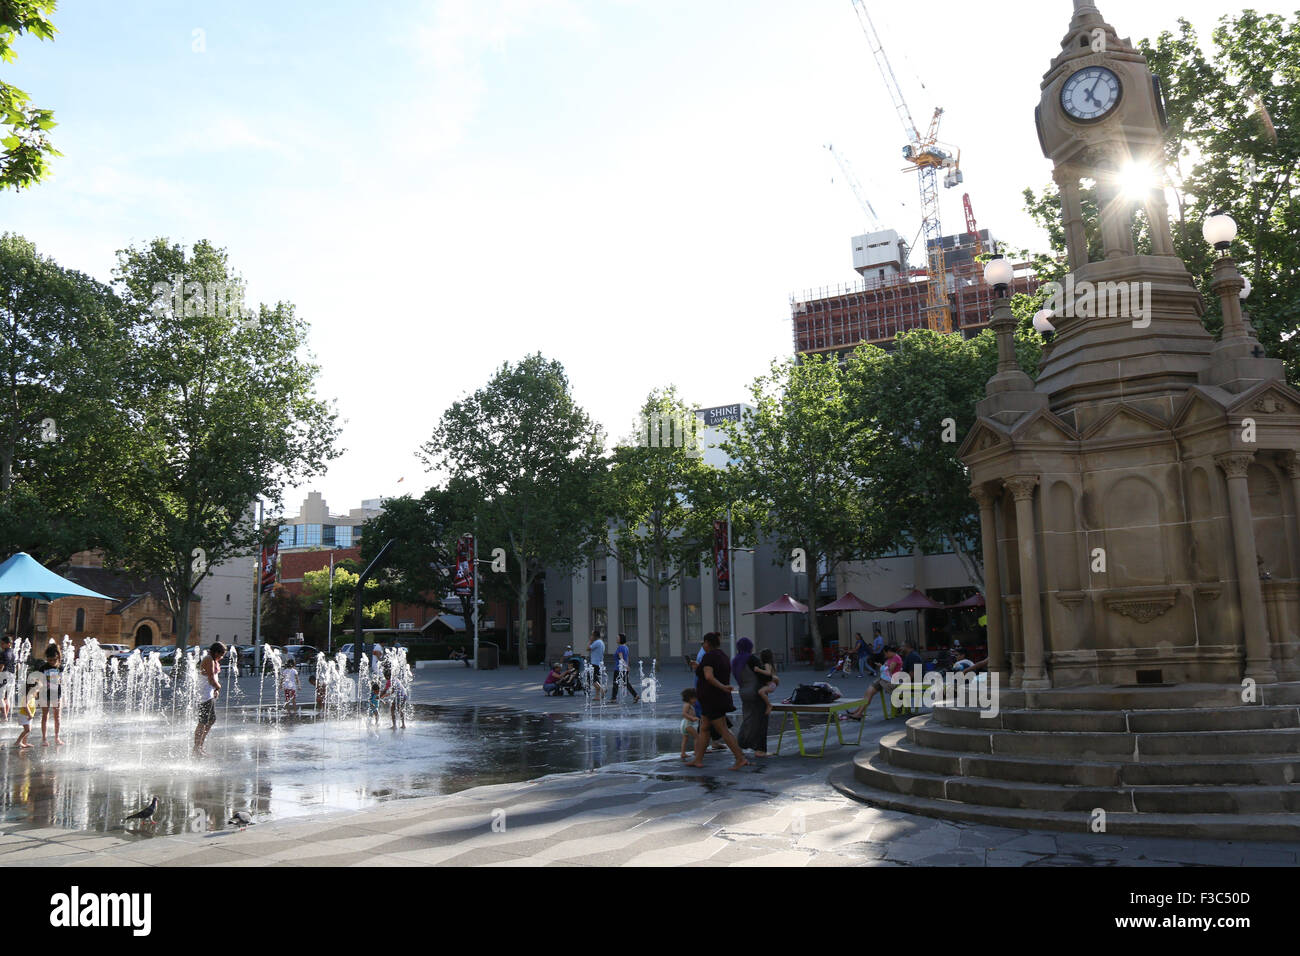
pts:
pixel 539 782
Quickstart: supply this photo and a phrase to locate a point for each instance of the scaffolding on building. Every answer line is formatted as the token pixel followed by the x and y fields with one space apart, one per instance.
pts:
pixel 874 311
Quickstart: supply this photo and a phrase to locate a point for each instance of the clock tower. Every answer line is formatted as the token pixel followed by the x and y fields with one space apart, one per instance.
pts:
pixel 1133 326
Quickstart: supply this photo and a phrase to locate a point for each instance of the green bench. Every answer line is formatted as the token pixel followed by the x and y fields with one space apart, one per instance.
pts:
pixel 831 712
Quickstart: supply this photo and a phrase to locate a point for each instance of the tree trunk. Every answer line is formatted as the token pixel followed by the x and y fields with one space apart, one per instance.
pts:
pixel 654 608
pixel 522 630
pixel 183 621
pixel 819 658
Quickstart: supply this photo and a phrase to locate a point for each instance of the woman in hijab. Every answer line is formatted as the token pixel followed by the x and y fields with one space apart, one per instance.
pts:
pixel 753 724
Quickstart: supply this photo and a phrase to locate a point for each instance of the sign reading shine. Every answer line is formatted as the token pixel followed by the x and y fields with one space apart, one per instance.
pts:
pixel 720 413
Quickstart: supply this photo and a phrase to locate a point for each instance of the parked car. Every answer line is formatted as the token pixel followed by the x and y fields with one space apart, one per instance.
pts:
pixel 112 650
pixel 300 653
pixel 350 650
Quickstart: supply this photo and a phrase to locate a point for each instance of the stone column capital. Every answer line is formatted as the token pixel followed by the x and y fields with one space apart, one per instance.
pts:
pixel 1021 486
pixel 1290 462
pixel 984 495
pixel 1235 464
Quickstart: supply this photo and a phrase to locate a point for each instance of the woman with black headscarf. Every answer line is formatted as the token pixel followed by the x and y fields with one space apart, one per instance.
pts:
pixel 753 724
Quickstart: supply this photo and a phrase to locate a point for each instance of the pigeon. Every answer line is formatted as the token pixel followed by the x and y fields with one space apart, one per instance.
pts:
pixel 241 817
pixel 146 814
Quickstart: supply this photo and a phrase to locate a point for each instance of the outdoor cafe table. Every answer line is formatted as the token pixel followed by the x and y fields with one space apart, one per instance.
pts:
pixel 832 712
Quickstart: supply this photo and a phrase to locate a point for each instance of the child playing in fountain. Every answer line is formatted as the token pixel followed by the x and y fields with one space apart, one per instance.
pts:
pixel 396 696
pixel 690 719
pixel 26 711
pixel 372 708
pixel 767 679
pixel 52 695
pixel 289 681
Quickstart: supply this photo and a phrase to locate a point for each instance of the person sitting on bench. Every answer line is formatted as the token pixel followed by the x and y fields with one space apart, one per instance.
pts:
pixel 888 666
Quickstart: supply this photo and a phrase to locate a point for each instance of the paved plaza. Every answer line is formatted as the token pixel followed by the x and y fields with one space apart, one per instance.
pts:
pixel 649 812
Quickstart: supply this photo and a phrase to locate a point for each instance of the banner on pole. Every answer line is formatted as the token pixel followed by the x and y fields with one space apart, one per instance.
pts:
pixel 721 555
pixel 268 567
pixel 463 584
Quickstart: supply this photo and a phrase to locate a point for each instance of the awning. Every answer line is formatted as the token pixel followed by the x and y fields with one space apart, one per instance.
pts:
pixel 24 576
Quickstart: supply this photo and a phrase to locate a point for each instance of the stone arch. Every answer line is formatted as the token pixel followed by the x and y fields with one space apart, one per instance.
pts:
pixel 146 632
pixel 1135 543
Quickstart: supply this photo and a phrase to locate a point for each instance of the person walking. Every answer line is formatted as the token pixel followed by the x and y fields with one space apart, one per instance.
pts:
pixel 877 641
pixel 596 655
pixel 622 670
pixel 209 691
pixel 715 692
pixel 753 708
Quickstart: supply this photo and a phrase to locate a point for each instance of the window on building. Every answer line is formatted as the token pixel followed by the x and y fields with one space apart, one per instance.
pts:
pixel 600 619
pixel 599 563
pixel 286 536
pixel 227 598
pixel 313 535
pixel 661 625
pixel 694 625
pixel 629 572
pixel 629 624
pixel 81 619
pixel 327 535
pixel 724 620
pixel 343 536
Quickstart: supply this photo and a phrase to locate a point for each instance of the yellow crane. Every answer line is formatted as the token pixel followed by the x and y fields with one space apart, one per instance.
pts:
pixel 926 157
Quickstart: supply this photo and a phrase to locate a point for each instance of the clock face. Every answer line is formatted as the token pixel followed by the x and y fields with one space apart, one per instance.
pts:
pixel 1091 94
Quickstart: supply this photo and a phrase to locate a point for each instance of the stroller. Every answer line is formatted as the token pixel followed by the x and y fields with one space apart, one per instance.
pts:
pixel 570 681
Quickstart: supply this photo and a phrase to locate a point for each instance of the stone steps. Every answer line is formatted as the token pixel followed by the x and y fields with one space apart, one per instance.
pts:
pixel 1159 761
pixel 874 770
pixel 1209 826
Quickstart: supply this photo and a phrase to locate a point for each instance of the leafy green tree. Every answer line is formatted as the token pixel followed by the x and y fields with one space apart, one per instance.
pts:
pixel 796 472
pixel 27 148
pixel 64 434
pixel 316 591
pixel 918 403
pixel 662 498
pixel 1233 142
pixel 417 568
pixel 227 411
pixel 524 460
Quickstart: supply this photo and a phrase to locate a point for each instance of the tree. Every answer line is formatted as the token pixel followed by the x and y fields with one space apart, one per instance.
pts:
pixel 796 471
pixel 524 460
pixel 317 591
pixel 1233 142
pixel 416 569
pixel 226 410
pixel 918 403
pixel 65 437
pixel 662 498
pixel 24 160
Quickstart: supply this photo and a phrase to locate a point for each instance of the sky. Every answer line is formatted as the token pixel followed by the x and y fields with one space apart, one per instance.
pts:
pixel 633 187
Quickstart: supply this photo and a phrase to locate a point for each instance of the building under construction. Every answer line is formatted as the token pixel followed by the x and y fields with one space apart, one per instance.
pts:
pixel 892 298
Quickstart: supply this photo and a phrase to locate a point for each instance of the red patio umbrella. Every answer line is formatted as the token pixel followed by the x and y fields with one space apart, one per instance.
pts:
pixel 975 600
pixel 918 602
pixel 783 605
pixel 849 602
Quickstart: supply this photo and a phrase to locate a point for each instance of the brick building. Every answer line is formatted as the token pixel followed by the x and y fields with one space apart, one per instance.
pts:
pixel 136 615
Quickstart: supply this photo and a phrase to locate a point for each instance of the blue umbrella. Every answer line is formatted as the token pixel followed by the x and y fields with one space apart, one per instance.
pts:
pixel 24 576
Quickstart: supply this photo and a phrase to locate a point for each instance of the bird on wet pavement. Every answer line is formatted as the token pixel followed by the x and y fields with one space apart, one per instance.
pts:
pixel 146 813
pixel 241 818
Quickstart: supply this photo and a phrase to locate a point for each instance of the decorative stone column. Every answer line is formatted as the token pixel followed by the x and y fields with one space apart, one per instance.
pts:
pixel 1259 662
pixel 992 577
pixel 1076 237
pixel 1290 463
pixel 1031 610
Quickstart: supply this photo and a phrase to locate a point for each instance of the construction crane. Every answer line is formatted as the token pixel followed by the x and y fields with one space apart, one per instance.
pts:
pixel 926 156
pixel 873 221
pixel 970 225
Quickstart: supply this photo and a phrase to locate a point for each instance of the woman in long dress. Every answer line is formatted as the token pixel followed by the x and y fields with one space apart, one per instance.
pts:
pixel 753 723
